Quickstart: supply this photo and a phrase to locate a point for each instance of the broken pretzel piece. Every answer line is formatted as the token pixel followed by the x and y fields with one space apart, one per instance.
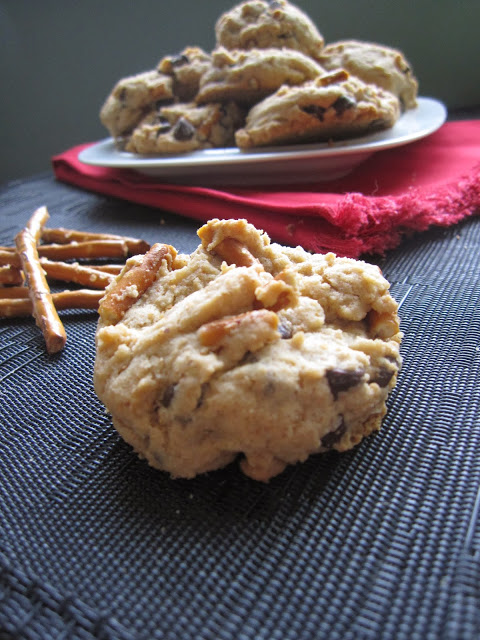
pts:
pixel 133 284
pixel 235 252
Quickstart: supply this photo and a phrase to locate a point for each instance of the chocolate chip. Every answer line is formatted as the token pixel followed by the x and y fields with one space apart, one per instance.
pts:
pixel 334 436
pixel 248 358
pixel 342 379
pixel 342 104
pixel 383 376
pixel 376 125
pixel 167 396
pixel 163 125
pixel 285 329
pixel 203 393
pixel 315 110
pixel 122 96
pixel 179 60
pixel 183 130
pixel 274 4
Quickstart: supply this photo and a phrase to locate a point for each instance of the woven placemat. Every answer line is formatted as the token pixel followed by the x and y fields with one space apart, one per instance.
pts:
pixel 381 542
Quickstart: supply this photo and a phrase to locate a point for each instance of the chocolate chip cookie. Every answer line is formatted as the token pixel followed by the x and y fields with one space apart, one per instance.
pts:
pixel 245 349
pixel 182 127
pixel 332 107
pixel 249 76
pixel 261 24
pixel 186 68
pixel 374 63
pixel 131 98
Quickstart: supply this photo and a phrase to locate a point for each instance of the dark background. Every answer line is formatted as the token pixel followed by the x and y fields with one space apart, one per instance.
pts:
pixel 60 58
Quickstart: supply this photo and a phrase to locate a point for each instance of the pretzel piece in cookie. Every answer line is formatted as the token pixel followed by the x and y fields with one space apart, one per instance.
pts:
pixel 214 333
pixel 43 308
pixel 235 252
pixel 121 295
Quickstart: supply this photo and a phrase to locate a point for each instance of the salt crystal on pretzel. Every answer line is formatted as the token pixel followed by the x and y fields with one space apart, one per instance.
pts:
pixel 132 284
pixel 43 308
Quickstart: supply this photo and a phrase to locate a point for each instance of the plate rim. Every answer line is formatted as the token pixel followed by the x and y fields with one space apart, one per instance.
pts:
pixel 94 154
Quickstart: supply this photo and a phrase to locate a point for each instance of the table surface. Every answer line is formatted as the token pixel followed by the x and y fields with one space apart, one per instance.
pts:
pixel 379 542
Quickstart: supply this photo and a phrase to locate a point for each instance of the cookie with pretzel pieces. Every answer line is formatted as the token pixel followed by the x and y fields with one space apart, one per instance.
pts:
pixel 247 349
pixel 261 24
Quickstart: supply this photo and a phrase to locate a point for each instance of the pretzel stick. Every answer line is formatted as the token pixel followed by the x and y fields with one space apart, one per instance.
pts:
pixel 90 249
pixel 73 251
pixel 9 257
pixel 43 308
pixel 10 274
pixel 64 236
pixel 13 292
pixel 77 273
pixel 113 269
pixel 79 299
pixel 126 291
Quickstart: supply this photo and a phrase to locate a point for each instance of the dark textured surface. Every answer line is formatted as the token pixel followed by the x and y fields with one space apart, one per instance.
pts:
pixel 380 542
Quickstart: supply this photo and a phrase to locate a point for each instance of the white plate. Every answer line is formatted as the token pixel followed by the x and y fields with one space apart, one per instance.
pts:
pixel 272 165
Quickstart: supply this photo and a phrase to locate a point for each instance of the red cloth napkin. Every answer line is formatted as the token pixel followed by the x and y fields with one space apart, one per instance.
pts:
pixel 434 181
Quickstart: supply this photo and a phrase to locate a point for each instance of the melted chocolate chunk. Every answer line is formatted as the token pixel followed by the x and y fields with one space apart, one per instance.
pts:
pixel 163 125
pixel 342 104
pixel 248 358
pixel 179 60
pixel 315 110
pixel 383 376
pixel 334 436
pixel 167 396
pixel 342 379
pixel 203 393
pixel 285 329
pixel 376 125
pixel 183 130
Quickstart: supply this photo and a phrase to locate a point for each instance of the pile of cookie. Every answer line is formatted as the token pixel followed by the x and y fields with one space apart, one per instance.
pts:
pixel 270 80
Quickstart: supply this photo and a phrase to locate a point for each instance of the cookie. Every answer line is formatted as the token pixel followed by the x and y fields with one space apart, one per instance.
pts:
pixel 131 98
pixel 332 107
pixel 186 69
pixel 245 349
pixel 262 24
pixel 179 128
pixel 374 63
pixel 249 76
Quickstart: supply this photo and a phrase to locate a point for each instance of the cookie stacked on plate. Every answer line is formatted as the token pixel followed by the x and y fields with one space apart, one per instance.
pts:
pixel 271 80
